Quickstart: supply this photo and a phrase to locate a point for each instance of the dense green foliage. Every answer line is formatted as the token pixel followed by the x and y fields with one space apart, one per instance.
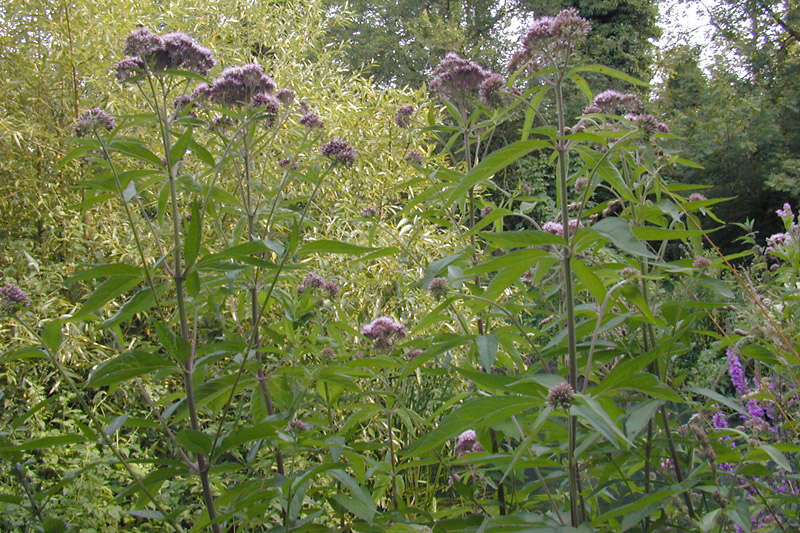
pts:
pixel 282 299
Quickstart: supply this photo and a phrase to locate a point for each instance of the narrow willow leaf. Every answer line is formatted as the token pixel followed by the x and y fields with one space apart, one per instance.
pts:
pixel 103 271
pixel 135 149
pixel 326 246
pixel 608 71
pixel 361 504
pixel 44 442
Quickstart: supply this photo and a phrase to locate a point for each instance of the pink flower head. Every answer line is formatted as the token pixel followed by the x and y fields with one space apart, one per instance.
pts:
pixel 383 331
pixel 551 41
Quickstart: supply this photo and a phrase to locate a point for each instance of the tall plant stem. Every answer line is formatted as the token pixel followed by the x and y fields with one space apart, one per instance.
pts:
pixel 178 275
pixel 254 309
pixel 566 266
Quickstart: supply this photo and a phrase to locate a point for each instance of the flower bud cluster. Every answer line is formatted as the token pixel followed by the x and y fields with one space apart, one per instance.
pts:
pixel 92 119
pixel 315 281
pixel 551 42
pixel 383 331
pixel 459 79
pixel 340 152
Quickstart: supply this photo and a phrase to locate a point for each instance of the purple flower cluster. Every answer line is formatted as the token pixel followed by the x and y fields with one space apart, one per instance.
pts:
pixel 551 42
pixel 414 157
pixel 614 102
pixel 438 287
pixel 298 425
pixel 172 51
pixel 285 96
pixel 315 281
pixel 92 119
pixel 340 152
pixel 459 79
pixel 467 442
pixel 311 120
pixel 237 86
pixel 403 116
pixel 491 88
pixel 785 211
pixel 12 296
pixel 648 123
pixel 697 197
pixel 560 396
pixel 369 211
pixel 383 331
pixel 702 263
pixel 556 228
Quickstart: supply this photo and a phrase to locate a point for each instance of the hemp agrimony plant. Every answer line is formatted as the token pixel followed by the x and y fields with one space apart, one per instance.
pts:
pixel 568 299
pixel 216 183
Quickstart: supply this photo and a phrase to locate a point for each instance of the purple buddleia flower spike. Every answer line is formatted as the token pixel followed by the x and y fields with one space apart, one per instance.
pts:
pixel 736 372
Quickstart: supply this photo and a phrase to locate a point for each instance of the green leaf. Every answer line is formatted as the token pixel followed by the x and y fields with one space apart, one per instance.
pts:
pixel 473 414
pixel 522 238
pixel 593 413
pixel 608 71
pixel 44 442
pixel 619 232
pixel 51 335
pixel 487 350
pixel 202 154
pixel 590 280
pixel 23 353
pixel 179 148
pixel 493 163
pixel 653 233
pixel 143 300
pixel 776 456
pixel 148 514
pixel 361 504
pixel 105 292
pixel 729 402
pixel 136 150
pixel 104 271
pixel 115 424
pixel 194 441
pixel 326 246
pixel 191 245
pixel 126 366
pixel 640 416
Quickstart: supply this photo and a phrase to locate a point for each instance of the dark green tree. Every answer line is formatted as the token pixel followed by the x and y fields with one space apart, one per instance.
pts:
pixel 399 42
